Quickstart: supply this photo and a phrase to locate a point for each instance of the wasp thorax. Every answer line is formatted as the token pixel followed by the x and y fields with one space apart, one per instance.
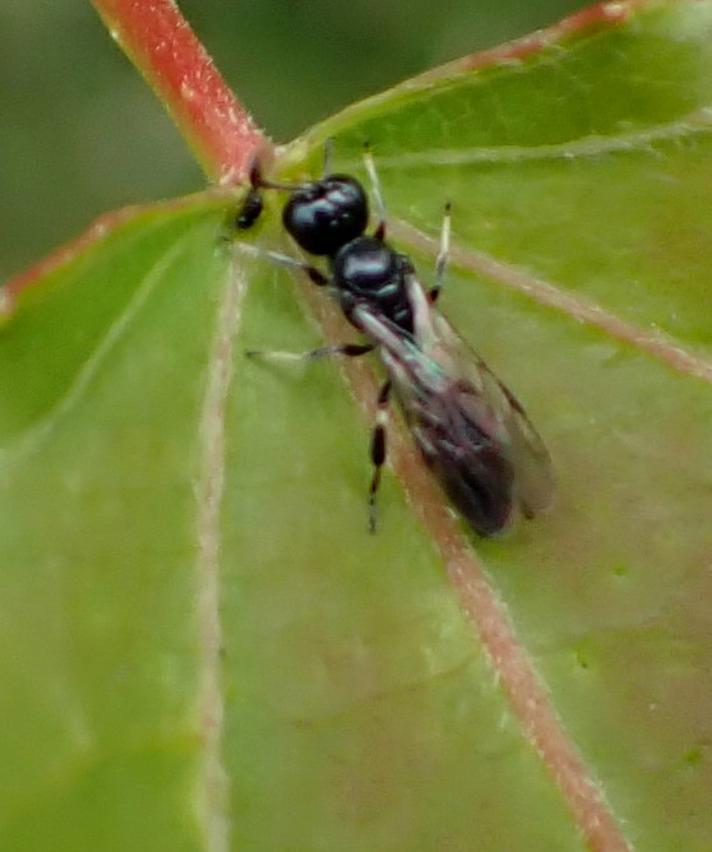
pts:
pixel 325 215
pixel 366 266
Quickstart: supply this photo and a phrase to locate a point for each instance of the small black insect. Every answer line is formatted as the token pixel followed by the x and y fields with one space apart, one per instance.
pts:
pixel 469 427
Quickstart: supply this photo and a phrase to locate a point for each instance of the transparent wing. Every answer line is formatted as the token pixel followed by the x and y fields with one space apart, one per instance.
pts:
pixel 533 471
pixel 470 428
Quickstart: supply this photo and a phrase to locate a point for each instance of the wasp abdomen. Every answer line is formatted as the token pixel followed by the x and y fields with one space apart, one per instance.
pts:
pixel 478 481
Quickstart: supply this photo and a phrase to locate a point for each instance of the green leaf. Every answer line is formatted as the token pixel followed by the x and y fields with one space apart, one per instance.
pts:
pixel 201 647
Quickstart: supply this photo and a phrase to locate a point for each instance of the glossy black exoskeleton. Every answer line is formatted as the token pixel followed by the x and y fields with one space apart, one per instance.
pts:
pixel 328 218
pixel 324 215
pixel 250 211
pixel 469 427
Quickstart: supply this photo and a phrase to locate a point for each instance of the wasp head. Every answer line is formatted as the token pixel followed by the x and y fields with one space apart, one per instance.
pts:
pixel 324 215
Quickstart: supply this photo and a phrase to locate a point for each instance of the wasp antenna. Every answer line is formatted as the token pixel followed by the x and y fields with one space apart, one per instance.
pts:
pixel 259 181
pixel 255 174
pixel 282 187
pixel 250 211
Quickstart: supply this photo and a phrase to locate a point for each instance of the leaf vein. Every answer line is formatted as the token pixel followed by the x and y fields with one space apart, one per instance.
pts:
pixel 213 792
pixel 593 145
pixel 576 306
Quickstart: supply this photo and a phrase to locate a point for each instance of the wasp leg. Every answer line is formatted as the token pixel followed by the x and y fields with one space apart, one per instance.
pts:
pixel 380 232
pixel 280 259
pixel 442 258
pixel 349 350
pixel 378 452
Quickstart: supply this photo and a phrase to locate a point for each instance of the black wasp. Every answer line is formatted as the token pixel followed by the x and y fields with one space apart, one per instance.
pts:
pixel 469 427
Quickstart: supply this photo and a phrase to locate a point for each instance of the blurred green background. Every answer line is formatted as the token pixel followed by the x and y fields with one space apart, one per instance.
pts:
pixel 80 133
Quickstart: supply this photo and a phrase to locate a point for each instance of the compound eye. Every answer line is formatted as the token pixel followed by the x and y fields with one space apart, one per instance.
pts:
pixel 325 215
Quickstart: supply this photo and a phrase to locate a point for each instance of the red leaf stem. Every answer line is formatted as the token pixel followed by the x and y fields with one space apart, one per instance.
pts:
pixel 160 43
